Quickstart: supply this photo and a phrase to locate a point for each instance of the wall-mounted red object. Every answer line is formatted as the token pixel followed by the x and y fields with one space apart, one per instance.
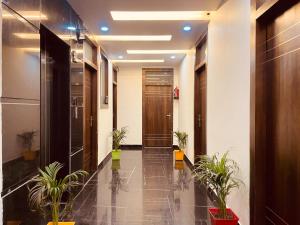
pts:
pixel 176 93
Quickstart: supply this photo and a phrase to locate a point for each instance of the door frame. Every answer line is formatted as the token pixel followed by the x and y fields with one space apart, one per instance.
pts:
pixel 144 71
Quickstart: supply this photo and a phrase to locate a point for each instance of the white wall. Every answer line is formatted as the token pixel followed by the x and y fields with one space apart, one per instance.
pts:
pixel 130 102
pixel 105 119
pixel 186 101
pixel 228 109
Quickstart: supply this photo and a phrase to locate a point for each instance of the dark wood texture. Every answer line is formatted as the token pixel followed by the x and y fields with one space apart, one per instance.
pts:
pixel 115 100
pixel 275 121
pixel 200 99
pixel 90 153
pixel 158 108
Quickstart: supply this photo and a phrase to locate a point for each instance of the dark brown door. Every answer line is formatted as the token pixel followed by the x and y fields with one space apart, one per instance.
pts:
pixel 158 108
pixel 200 112
pixel 90 120
pixel 277 116
pixel 115 115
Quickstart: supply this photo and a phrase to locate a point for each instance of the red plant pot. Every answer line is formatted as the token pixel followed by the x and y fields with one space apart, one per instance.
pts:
pixel 218 221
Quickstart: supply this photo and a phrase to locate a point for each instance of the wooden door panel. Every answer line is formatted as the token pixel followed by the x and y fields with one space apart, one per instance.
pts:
pixel 200 112
pixel 87 121
pixel 158 109
pixel 279 88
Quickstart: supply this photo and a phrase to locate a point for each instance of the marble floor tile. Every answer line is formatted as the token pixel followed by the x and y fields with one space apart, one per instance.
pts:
pixel 144 188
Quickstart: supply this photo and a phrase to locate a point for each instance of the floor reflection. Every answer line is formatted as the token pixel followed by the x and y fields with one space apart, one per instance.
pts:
pixel 144 188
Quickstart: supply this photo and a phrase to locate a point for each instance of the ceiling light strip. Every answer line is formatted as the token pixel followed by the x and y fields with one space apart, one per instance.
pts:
pixel 134 37
pixel 139 61
pixel 160 15
pixel 156 52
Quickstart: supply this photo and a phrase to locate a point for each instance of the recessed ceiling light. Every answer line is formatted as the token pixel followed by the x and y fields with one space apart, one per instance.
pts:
pixel 187 28
pixel 104 28
pixel 173 57
pixel 156 52
pixel 160 15
pixel 134 37
pixel 120 57
pixel 139 61
pixel 72 28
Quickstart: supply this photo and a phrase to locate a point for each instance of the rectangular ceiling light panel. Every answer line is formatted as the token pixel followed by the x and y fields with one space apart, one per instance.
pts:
pixel 139 61
pixel 134 37
pixel 160 15
pixel 156 52
pixel 29 15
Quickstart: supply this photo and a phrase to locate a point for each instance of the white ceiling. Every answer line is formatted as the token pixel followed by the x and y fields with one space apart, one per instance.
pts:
pixel 96 13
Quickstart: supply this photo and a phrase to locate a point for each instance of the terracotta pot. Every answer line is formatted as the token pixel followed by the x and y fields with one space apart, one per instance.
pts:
pixel 116 154
pixel 62 223
pixel 179 155
pixel 218 221
pixel 29 155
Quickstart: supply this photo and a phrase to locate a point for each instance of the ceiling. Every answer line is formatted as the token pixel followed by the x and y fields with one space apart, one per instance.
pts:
pixel 96 13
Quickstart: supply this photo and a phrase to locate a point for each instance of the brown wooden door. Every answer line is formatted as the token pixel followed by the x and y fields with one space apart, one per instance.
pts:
pixel 158 108
pixel 90 153
pixel 200 112
pixel 115 111
pixel 277 119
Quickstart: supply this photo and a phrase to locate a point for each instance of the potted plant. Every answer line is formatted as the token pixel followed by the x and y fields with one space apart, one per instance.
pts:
pixel 48 191
pixel 182 138
pixel 219 174
pixel 27 141
pixel 118 139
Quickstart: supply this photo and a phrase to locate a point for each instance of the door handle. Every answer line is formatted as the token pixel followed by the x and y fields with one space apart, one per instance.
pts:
pixel 199 120
pixel 168 115
pixel 91 121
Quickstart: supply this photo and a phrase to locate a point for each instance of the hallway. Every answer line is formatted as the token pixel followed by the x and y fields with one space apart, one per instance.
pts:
pixel 146 190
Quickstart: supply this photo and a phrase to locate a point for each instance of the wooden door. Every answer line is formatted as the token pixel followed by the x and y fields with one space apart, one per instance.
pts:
pixel 115 115
pixel 200 112
pixel 276 174
pixel 157 108
pixel 90 153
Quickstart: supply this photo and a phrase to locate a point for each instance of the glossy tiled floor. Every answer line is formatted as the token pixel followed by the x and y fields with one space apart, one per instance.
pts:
pixel 145 188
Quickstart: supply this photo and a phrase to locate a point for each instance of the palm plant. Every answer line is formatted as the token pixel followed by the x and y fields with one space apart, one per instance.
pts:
pixel 182 138
pixel 118 137
pixel 48 190
pixel 220 176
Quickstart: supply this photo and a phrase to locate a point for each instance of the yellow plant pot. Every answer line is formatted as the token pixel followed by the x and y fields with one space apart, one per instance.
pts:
pixel 179 155
pixel 29 155
pixel 62 223
pixel 179 165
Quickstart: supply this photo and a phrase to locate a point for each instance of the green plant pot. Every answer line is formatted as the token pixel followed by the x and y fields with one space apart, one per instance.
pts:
pixel 116 154
pixel 115 165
